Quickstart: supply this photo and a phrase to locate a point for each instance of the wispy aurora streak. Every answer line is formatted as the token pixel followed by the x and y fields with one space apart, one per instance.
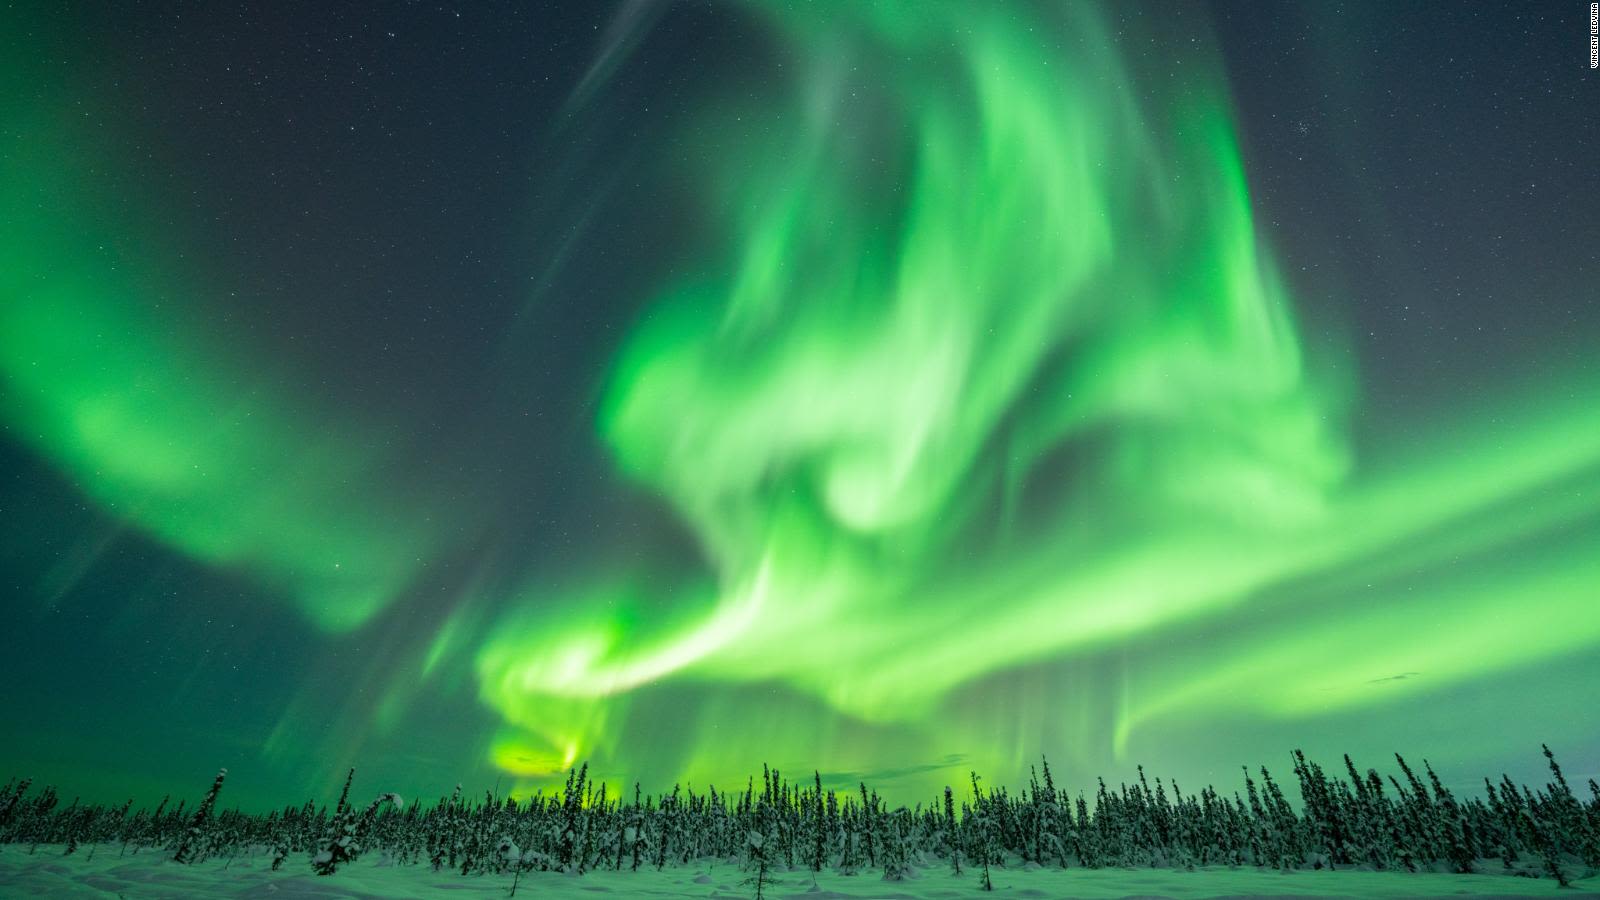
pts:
pixel 106 373
pixel 1038 392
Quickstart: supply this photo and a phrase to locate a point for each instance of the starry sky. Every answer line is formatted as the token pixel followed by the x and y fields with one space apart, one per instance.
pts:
pixel 894 390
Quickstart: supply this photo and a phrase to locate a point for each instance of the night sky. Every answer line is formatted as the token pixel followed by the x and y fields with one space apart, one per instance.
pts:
pixel 462 392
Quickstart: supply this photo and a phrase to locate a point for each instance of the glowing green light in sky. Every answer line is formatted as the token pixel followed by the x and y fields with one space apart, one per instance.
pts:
pixel 991 420
pixel 834 417
pixel 189 441
pixel 1038 392
pixel 881 377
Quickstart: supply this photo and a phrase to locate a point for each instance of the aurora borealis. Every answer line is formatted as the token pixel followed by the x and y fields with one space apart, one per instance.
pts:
pixel 889 389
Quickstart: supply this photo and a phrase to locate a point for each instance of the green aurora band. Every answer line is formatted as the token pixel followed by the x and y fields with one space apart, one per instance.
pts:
pixel 105 374
pixel 993 377
pixel 1039 394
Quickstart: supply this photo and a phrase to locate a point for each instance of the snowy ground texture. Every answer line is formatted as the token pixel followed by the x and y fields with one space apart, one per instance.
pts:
pixel 47 873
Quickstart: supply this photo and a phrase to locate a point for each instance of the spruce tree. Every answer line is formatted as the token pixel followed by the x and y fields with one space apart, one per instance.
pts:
pixel 820 824
pixel 951 830
pixel 200 816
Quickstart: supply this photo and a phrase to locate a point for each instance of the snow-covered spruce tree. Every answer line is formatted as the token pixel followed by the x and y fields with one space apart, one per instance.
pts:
pixel 1403 828
pixel 1053 819
pixel 1265 840
pixel 661 821
pixel 1084 838
pixel 344 795
pixel 1549 850
pixel 443 835
pixel 133 827
pixel 1386 822
pixel 869 824
pixel 952 832
pixel 343 843
pixel 149 831
pixel 896 853
pixel 1503 825
pixel 1425 839
pixel 1147 849
pixel 1322 815
pixel 783 829
pixel 1184 833
pixel 108 826
pixel 73 826
pixel 35 823
pixel 755 843
pixel 819 827
pixel 1581 836
pixel 477 843
pixel 621 823
pixel 982 845
pixel 228 837
pixel 511 856
pixel 1457 833
pixel 1109 826
pixel 1170 828
pixel 597 831
pixel 197 824
pixel 684 831
pixel 1289 832
pixel 591 814
pixel 839 835
pixel 10 806
pixel 1243 838
pixel 636 839
pixel 280 849
pixel 1365 822
pixel 571 813
pixel 335 829
pixel 849 837
pixel 759 843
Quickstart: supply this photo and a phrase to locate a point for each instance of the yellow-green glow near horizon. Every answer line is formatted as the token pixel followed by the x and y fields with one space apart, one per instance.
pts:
pixel 990 422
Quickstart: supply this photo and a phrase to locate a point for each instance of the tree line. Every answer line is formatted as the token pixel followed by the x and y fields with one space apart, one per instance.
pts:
pixel 1346 820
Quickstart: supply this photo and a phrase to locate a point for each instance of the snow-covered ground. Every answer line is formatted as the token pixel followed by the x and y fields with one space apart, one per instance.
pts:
pixel 47 873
